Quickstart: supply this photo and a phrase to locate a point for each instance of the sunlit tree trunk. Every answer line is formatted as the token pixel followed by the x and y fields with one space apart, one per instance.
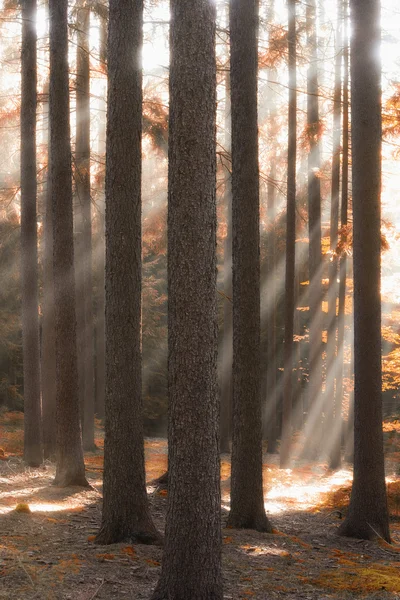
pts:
pixel 247 501
pixel 70 468
pixel 367 517
pixel 29 254
pixel 333 401
pixel 287 407
pixel 268 285
pixel 126 514
pixel 343 213
pixel 191 565
pixel 83 202
pixel 313 425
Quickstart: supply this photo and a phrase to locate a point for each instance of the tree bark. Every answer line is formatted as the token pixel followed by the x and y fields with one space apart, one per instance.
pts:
pixel 247 500
pixel 314 417
pixel 191 565
pixel 33 454
pixel 287 407
pixel 126 515
pixel 367 517
pixel 83 200
pixel 70 468
pixel 332 402
pixel 48 348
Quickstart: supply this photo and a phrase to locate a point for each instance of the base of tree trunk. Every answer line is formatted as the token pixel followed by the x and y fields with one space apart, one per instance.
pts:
pixel 257 522
pixel 360 529
pixel 91 447
pixel 70 478
pixel 335 462
pixel 161 593
pixel 145 534
pixel 35 463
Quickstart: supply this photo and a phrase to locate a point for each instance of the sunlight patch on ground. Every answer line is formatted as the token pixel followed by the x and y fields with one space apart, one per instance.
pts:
pixel 301 494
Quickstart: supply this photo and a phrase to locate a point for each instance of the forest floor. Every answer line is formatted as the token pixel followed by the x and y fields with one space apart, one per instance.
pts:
pixel 48 553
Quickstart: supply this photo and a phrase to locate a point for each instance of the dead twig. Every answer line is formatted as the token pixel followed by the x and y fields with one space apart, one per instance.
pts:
pixel 25 571
pixel 97 590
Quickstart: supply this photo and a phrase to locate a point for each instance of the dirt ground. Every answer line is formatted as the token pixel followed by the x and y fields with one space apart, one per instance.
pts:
pixel 49 554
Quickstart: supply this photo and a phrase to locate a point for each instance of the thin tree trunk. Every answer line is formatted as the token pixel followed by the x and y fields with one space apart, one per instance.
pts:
pixel 70 469
pixel 247 500
pixel 287 407
pixel 48 348
pixel 191 565
pixel 333 402
pixel 100 265
pixel 29 268
pixel 270 399
pixel 82 158
pixel 227 348
pixel 314 417
pixel 367 516
pixel 126 515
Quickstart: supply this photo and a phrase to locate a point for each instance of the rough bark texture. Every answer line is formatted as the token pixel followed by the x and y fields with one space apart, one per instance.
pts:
pixel 29 255
pixel 247 501
pixel 48 349
pixel 367 517
pixel 313 426
pixel 126 515
pixel 70 469
pixel 191 565
pixel 287 407
pixel 83 201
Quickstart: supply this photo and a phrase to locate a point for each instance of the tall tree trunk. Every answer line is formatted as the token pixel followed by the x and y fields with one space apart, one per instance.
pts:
pixel 270 399
pixel 314 417
pixel 226 379
pixel 70 469
pixel 287 408
pixel 29 254
pixel 247 500
pixel 367 517
pixel 48 348
pixel 126 514
pixel 333 402
pixel 82 158
pixel 100 265
pixel 191 565
pixel 343 230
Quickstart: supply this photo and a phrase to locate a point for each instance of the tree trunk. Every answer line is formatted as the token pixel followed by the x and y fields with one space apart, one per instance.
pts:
pixel 343 225
pixel 70 469
pixel 84 280
pixel 126 515
pixel 29 254
pixel 314 417
pixel 191 565
pixel 287 407
pixel 247 500
pixel 367 517
pixel 333 402
pixel 48 348
pixel 100 265
pixel 270 398
pixel 226 376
